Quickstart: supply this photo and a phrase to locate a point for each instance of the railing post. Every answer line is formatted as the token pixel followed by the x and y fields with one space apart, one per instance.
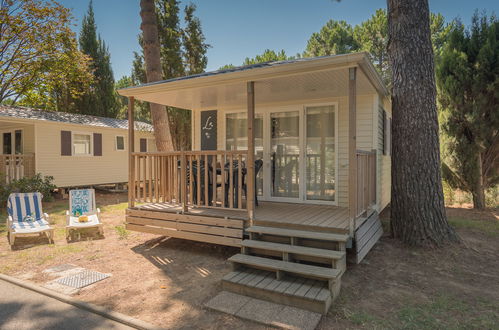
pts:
pixel 352 149
pixel 131 149
pixel 250 158
pixel 183 181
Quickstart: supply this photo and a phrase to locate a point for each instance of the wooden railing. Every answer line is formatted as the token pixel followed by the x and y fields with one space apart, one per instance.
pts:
pixel 15 167
pixel 366 180
pixel 213 179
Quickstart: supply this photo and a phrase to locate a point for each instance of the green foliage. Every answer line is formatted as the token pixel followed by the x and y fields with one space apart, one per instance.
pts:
pixel 468 82
pixel 37 183
pixel 122 232
pixel 193 39
pixel 336 37
pixel 372 37
pixel 183 51
pixel 100 98
pixel 40 65
pixel 267 56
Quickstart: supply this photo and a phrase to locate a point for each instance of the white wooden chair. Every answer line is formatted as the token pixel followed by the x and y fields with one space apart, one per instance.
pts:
pixel 26 217
pixel 82 203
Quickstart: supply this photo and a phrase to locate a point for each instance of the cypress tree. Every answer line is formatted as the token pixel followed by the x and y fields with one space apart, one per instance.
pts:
pixel 468 80
pixel 100 98
pixel 193 38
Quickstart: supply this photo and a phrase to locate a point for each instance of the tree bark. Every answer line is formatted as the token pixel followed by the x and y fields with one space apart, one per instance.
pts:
pixel 152 58
pixel 417 208
pixel 478 191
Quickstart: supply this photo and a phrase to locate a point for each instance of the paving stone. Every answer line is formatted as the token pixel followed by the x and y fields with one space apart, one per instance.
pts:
pixel 260 311
pixel 227 302
pixel 295 318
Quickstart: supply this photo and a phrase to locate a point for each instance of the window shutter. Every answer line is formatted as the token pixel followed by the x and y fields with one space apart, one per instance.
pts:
pixel 385 142
pixel 66 144
pixel 97 144
pixel 390 136
pixel 143 145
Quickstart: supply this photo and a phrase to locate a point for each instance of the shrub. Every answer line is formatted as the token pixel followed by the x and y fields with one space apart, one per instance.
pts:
pixel 37 183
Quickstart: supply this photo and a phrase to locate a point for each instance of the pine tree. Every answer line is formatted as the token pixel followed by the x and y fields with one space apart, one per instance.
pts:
pixel 193 39
pixel 100 99
pixel 170 38
pixel 336 37
pixel 468 80
pixel 417 205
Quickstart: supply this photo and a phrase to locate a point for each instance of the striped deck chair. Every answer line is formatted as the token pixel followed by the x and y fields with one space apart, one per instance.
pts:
pixel 25 217
pixel 82 203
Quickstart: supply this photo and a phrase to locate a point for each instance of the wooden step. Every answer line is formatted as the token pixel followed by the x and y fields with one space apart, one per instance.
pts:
pixel 302 250
pixel 299 292
pixel 323 273
pixel 298 233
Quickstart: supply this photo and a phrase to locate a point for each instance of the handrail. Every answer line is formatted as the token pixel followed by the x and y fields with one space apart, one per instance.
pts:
pixel 214 178
pixel 15 167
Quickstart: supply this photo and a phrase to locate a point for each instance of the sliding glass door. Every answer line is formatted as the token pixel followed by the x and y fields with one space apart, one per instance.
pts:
pixel 285 154
pixel 320 157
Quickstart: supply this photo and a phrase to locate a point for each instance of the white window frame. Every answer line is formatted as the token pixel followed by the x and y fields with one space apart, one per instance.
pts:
pixel 116 143
pixel 73 133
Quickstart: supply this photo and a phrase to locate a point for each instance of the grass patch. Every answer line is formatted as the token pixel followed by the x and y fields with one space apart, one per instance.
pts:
pixel 122 232
pixel 488 227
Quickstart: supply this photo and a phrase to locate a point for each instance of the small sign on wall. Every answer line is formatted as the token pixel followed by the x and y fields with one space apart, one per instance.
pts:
pixel 209 130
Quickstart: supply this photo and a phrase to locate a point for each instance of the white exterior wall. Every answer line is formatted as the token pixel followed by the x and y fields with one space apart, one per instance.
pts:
pixel 366 111
pixel 384 178
pixel 111 167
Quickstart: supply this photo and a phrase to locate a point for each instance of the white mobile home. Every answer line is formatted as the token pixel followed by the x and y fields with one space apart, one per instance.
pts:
pixel 290 162
pixel 77 150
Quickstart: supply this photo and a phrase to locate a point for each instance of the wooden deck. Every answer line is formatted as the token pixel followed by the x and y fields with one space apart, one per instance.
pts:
pixel 286 215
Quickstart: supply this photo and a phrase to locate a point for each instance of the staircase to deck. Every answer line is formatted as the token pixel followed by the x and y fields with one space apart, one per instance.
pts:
pixel 299 268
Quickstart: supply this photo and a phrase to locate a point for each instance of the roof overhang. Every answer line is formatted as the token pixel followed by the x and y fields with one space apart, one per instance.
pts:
pixel 309 78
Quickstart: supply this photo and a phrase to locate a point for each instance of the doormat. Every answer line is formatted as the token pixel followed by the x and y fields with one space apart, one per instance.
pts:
pixel 82 279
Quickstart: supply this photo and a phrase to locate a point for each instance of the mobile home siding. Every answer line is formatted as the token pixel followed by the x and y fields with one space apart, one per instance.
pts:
pixel 111 167
pixel 384 161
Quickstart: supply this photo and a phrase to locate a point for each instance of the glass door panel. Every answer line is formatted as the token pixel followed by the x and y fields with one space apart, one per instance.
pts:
pixel 236 138
pixel 7 143
pixel 320 153
pixel 285 154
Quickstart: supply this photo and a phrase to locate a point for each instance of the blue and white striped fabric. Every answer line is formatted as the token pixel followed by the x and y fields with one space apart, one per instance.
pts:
pixel 21 205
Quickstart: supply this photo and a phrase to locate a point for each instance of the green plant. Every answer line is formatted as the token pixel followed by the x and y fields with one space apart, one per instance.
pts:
pixel 36 183
pixel 122 232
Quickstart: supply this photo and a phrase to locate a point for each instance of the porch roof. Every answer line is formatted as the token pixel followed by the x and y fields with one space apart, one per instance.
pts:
pixel 282 81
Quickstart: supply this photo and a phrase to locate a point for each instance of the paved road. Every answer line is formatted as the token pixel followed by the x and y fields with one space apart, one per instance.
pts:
pixel 22 309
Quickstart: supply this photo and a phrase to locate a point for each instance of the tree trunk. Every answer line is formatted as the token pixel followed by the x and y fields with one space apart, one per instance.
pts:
pixel 152 58
pixel 478 191
pixel 417 208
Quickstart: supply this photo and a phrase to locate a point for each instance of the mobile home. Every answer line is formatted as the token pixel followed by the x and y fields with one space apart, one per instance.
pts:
pixel 290 162
pixel 77 150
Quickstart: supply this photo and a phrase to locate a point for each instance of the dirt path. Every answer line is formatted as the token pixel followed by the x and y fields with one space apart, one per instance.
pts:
pixel 166 281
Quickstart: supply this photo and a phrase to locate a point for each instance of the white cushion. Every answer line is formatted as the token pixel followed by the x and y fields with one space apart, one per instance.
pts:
pixel 28 227
pixel 93 221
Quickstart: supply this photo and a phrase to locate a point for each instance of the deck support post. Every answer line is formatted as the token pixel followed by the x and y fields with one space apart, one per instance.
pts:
pixel 352 148
pixel 250 160
pixel 131 149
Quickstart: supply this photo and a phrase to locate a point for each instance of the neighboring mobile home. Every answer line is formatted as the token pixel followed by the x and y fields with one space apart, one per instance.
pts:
pixel 293 154
pixel 77 150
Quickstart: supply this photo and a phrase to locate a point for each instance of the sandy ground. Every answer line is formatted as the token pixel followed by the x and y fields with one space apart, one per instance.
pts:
pixel 166 281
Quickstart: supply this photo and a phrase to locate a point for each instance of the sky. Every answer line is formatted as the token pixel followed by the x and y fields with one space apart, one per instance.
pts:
pixel 237 29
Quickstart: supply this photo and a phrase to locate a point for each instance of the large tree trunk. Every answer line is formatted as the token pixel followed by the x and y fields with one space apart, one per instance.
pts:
pixel 152 58
pixel 417 208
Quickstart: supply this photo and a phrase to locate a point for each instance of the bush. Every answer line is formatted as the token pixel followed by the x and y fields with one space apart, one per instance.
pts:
pixel 35 183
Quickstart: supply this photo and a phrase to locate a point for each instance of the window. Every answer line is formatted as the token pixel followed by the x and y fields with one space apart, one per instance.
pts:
pixel 143 145
pixel 7 143
pixel 120 143
pixel 12 142
pixel 82 145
